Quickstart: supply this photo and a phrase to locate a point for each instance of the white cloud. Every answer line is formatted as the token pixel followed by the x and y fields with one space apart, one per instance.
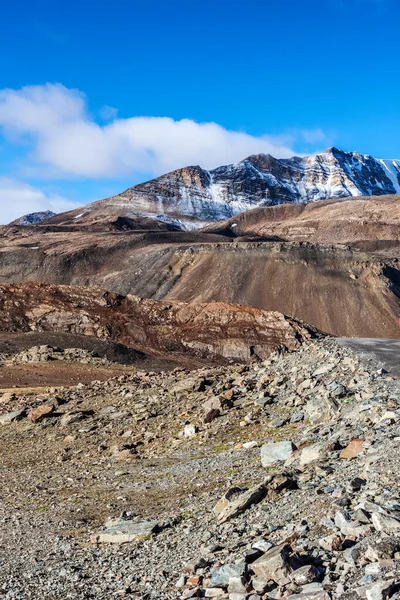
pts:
pixel 18 198
pixel 108 113
pixel 64 140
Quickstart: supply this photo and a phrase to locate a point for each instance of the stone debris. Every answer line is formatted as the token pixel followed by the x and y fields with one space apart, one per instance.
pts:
pixel 48 353
pixel 275 452
pixel 267 481
pixel 40 413
pixel 122 531
pixel 238 504
pixel 10 417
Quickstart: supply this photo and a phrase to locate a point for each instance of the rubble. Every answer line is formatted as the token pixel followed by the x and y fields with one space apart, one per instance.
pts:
pixel 123 488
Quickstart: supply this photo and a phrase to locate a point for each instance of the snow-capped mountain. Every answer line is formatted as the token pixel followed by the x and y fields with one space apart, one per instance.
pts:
pixel 34 218
pixel 193 196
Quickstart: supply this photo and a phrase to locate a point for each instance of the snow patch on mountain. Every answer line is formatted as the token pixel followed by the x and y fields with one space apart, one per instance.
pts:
pixel 392 170
pixel 263 180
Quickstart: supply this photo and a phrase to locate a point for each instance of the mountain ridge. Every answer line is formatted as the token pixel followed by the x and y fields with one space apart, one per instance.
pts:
pixel 192 197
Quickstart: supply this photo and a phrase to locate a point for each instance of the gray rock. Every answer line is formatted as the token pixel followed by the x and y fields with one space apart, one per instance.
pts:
pixel 324 369
pixel 297 417
pixel 119 531
pixel 342 519
pixel 221 575
pixel 351 555
pixel 275 452
pixel 242 502
pixel 337 390
pixel 74 417
pixel 304 575
pixel 322 595
pixel 380 590
pixel 262 584
pixel 237 585
pixel 263 545
pixel 250 445
pixel 213 592
pixel 317 409
pixel 263 401
pixel 278 422
pixel 385 522
pixel 312 453
pixel 273 565
pixel 12 416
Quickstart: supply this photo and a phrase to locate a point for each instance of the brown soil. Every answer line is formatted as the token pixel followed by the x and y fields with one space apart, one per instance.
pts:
pixel 38 375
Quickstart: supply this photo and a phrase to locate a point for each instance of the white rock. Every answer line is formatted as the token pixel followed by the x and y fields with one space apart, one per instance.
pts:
pixel 384 522
pixel 274 452
pixel 190 430
pixel 379 590
pixel 249 445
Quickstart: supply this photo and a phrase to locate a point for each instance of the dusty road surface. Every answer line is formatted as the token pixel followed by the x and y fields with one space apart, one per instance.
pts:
pixel 385 351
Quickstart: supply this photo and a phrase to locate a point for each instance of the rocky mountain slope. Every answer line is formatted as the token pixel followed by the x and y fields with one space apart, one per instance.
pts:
pixel 193 196
pixel 256 482
pixel 206 333
pixel 251 457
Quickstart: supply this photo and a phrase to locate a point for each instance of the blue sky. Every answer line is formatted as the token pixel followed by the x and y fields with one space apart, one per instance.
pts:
pixel 97 96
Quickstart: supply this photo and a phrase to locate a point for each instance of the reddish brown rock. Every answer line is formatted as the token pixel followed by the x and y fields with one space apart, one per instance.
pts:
pixel 214 332
pixel 40 412
pixel 194 580
pixel 353 449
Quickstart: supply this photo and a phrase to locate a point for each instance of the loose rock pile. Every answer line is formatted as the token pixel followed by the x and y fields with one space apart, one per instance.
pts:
pixel 275 480
pixel 47 353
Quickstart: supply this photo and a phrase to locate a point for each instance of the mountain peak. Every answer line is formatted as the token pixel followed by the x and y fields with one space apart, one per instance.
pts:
pixel 192 196
pixel 333 150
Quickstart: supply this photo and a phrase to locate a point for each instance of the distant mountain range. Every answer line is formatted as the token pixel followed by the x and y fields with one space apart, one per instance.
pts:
pixel 191 197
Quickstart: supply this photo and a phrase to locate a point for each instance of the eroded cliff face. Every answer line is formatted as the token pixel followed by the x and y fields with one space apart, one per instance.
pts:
pixel 191 197
pixel 212 332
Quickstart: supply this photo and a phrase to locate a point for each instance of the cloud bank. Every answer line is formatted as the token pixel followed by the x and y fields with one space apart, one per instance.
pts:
pixel 18 198
pixel 64 140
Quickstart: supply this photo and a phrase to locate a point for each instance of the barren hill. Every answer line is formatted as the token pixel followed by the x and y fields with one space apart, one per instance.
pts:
pixel 372 221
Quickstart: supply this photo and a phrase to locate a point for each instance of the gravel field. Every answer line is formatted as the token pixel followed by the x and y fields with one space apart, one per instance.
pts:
pixel 272 480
